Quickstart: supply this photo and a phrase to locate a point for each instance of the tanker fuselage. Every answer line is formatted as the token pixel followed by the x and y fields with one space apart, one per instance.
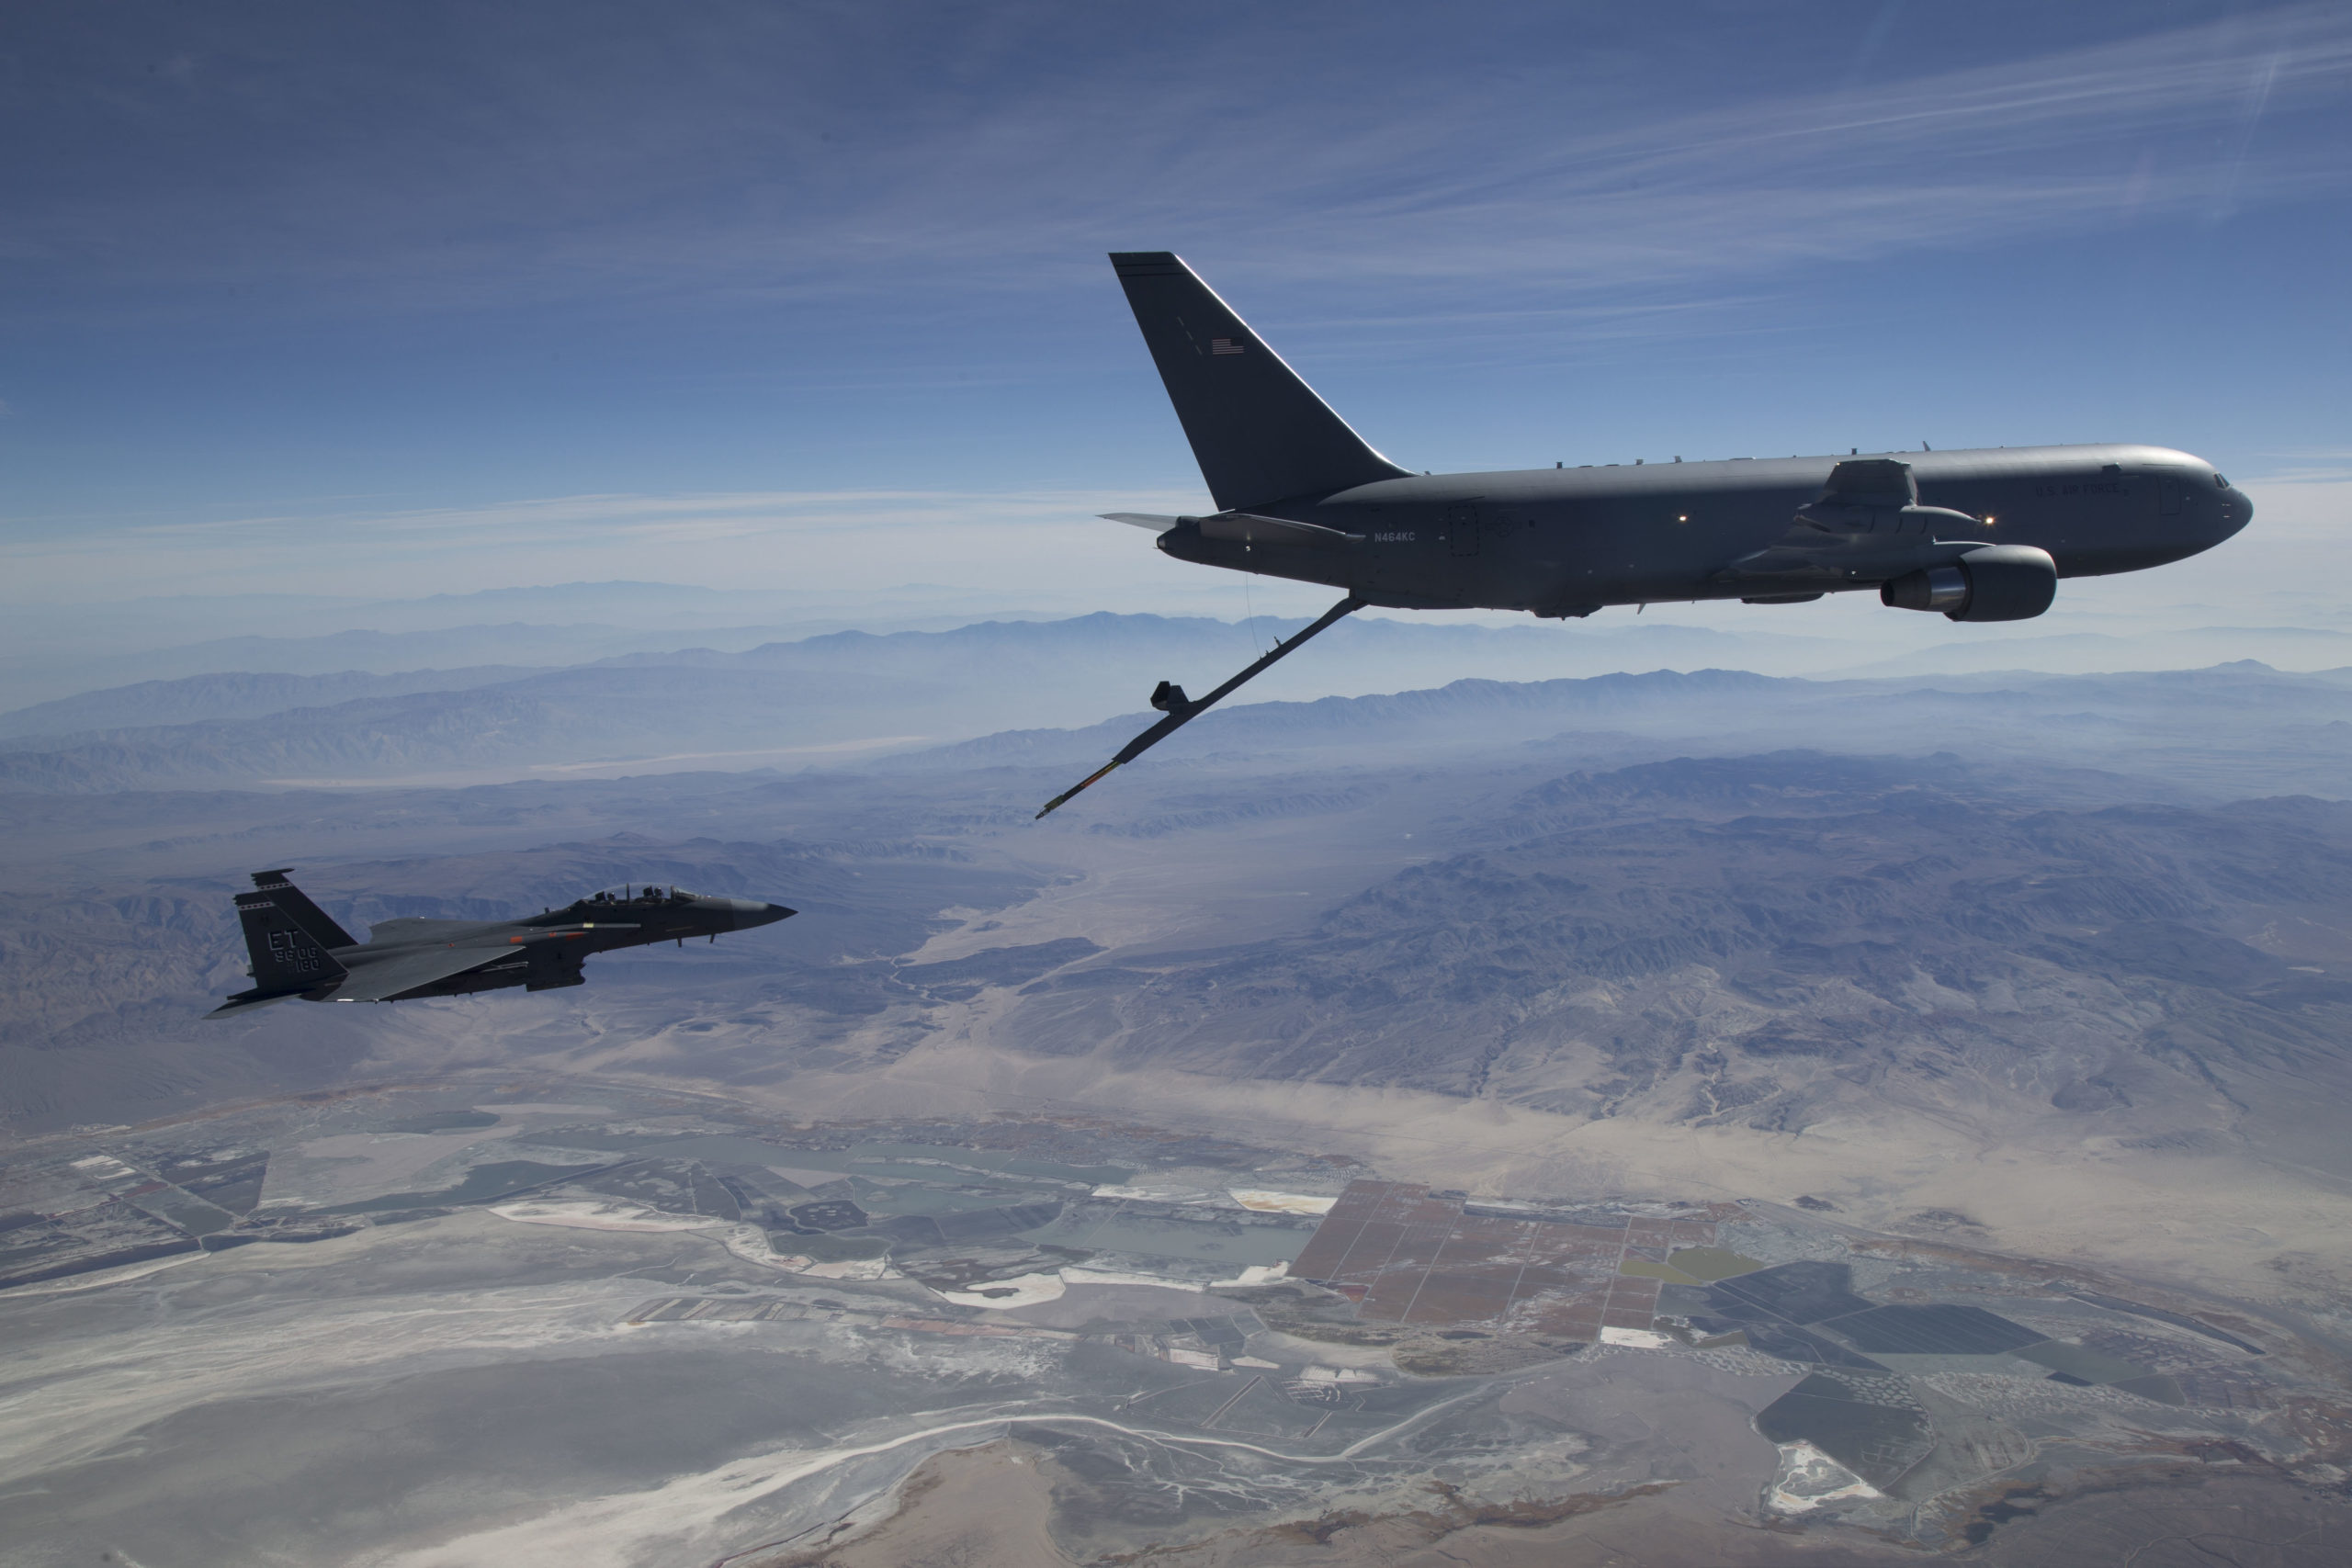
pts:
pixel 1566 541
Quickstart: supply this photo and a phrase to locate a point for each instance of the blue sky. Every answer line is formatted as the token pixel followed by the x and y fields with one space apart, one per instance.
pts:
pixel 315 298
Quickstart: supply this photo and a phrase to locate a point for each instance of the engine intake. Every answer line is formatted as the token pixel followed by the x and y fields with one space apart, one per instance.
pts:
pixel 1998 582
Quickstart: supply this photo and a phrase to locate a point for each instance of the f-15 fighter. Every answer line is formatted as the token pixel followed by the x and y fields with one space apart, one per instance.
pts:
pixel 1981 536
pixel 298 951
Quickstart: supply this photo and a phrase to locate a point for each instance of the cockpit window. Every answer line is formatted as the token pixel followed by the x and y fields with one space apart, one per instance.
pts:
pixel 635 893
pixel 2221 483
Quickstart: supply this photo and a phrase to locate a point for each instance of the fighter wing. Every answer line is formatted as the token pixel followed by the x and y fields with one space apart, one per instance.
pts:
pixel 392 975
pixel 416 928
pixel 246 1001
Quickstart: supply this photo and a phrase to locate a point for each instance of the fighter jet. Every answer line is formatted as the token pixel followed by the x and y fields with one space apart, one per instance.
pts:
pixel 298 951
pixel 1977 536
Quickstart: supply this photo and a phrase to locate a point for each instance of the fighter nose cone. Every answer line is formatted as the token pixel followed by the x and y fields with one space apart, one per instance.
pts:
pixel 749 913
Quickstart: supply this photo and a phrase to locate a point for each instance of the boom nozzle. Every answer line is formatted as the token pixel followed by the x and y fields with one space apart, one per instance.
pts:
pixel 1073 789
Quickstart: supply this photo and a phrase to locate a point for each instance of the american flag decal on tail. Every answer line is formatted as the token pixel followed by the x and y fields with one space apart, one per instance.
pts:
pixel 1224 346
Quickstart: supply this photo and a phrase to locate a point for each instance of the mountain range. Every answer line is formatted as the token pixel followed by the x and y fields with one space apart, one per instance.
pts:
pixel 844 695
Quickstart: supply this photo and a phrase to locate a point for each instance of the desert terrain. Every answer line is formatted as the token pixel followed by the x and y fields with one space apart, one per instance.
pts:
pixel 1988 1027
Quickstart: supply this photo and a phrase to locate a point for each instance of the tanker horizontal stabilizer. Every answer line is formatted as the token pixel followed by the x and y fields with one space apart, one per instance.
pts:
pixel 1247 529
pixel 1243 527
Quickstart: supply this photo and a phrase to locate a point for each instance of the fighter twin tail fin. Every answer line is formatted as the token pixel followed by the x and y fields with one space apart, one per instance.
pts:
pixel 287 937
pixel 301 910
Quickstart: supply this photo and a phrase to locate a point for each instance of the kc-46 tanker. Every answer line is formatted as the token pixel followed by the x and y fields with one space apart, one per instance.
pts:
pixel 1981 536
pixel 298 951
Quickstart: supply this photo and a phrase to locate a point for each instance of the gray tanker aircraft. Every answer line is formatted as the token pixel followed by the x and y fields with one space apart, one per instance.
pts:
pixel 1979 535
pixel 298 951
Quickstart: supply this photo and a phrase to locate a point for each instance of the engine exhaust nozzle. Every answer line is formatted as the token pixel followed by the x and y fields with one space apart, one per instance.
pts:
pixel 1941 588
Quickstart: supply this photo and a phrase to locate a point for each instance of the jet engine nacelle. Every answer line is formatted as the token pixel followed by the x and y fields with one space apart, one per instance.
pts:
pixel 2000 582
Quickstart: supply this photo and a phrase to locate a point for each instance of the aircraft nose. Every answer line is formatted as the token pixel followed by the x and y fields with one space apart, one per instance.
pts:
pixel 749 913
pixel 2237 512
